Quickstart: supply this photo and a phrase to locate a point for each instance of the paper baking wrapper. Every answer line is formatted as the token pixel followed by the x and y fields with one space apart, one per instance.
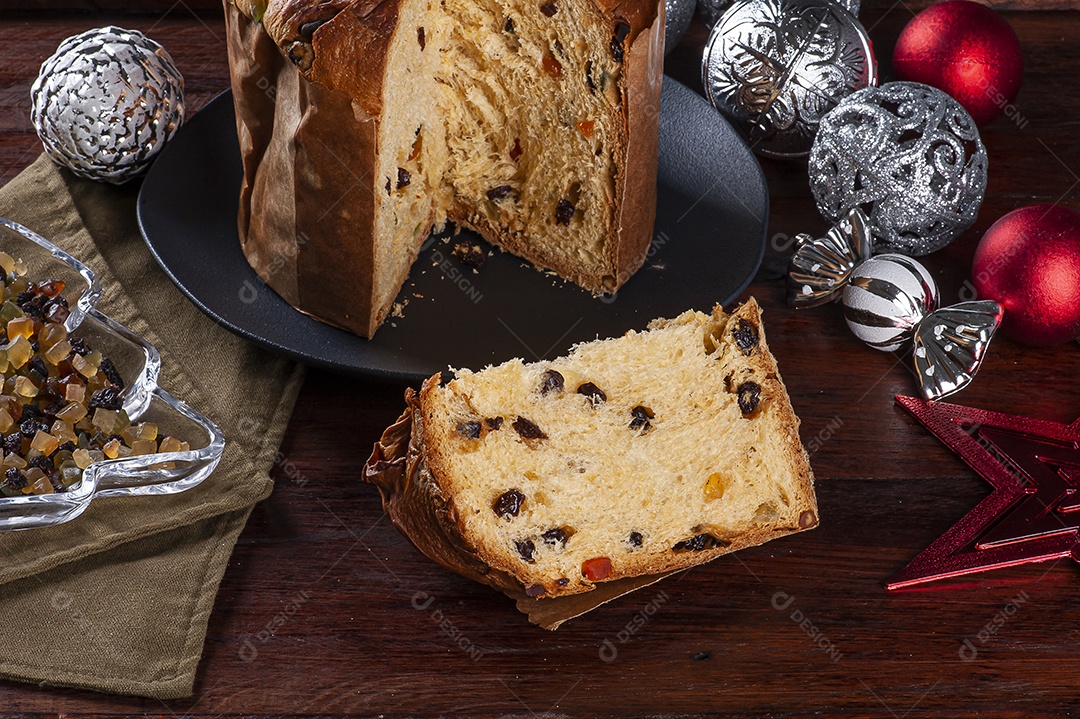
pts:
pixel 306 197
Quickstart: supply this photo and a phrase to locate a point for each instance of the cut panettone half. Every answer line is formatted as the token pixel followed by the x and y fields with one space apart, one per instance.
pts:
pixel 533 123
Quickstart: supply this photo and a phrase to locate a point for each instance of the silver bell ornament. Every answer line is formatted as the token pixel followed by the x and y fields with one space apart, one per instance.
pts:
pixel 891 300
pixel 711 10
pixel 106 102
pixel 910 156
pixel 774 68
pixel 679 14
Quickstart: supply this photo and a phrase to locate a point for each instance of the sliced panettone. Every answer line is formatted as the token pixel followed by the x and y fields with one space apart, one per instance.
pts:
pixel 631 456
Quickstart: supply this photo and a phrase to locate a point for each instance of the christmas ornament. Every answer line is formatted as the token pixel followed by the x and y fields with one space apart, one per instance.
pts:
pixel 907 154
pixel 967 50
pixel 821 267
pixel 711 10
pixel 775 67
pixel 886 297
pixel 679 14
pixel 891 300
pixel 1034 467
pixel 106 102
pixel 1029 261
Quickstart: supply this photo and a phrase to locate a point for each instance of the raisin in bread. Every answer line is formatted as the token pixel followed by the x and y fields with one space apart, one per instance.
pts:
pixel 638 455
pixel 364 125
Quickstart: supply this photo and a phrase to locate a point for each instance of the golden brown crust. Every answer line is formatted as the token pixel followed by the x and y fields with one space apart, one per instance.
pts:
pixel 361 30
pixel 636 186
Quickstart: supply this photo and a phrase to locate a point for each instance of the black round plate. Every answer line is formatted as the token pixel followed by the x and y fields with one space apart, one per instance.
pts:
pixel 709 238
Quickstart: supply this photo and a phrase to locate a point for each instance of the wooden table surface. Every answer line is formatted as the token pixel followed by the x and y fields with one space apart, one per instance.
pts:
pixel 318 610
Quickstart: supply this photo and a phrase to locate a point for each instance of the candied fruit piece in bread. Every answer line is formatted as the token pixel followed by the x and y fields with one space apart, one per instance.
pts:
pixel 364 125
pixel 638 455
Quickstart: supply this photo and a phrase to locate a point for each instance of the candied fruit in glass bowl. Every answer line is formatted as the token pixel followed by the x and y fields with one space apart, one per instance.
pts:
pixel 81 414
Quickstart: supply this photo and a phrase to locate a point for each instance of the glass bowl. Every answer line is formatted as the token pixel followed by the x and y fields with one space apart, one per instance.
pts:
pixel 138 364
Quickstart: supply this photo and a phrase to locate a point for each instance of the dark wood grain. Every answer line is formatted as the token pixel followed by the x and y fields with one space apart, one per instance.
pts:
pixel 322 568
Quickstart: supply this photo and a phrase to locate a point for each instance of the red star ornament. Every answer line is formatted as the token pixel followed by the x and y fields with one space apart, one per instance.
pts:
pixel 1033 514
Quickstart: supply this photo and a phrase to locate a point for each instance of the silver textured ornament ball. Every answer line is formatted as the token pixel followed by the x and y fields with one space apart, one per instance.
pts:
pixel 910 156
pixel 774 68
pixel 885 299
pixel 106 102
pixel 679 14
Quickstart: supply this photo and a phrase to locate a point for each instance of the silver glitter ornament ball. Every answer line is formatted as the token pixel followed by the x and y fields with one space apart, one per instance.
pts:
pixel 711 10
pixel 679 14
pixel 907 154
pixel 774 68
pixel 886 297
pixel 106 102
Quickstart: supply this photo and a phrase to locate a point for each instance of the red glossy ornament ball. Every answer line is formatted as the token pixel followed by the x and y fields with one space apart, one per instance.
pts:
pixel 967 50
pixel 1029 261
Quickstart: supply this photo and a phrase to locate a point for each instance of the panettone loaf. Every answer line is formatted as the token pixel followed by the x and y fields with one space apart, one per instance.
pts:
pixel 532 122
pixel 638 455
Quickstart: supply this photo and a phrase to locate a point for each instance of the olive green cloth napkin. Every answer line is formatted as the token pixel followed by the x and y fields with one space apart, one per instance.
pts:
pixel 118 599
